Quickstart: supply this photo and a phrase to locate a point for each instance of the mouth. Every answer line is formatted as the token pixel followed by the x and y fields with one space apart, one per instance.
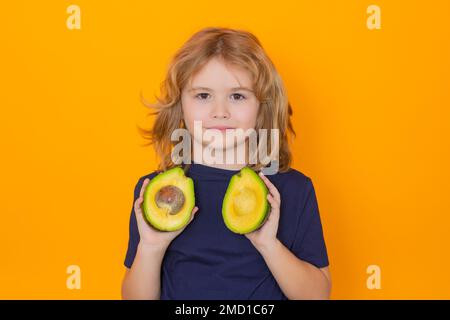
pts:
pixel 221 128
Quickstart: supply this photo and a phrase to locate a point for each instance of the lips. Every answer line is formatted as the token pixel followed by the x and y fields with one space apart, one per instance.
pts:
pixel 221 128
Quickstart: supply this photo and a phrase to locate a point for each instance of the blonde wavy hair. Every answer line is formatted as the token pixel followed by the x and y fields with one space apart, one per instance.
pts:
pixel 239 48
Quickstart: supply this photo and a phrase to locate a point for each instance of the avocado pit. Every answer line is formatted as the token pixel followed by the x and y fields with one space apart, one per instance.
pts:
pixel 171 198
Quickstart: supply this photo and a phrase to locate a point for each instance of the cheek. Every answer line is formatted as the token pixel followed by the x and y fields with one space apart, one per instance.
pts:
pixel 192 111
pixel 247 115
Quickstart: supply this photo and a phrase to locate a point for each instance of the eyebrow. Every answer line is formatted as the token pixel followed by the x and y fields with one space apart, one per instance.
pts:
pixel 209 89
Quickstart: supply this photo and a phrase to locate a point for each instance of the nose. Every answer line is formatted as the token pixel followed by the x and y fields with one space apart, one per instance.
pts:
pixel 220 111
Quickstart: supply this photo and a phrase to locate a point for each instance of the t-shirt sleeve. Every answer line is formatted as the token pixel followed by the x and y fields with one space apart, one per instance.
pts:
pixel 309 244
pixel 134 238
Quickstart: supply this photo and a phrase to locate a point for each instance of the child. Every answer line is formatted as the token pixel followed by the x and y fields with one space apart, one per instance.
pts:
pixel 224 78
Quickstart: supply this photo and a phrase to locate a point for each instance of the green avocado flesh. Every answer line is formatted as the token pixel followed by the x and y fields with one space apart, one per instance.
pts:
pixel 168 200
pixel 245 207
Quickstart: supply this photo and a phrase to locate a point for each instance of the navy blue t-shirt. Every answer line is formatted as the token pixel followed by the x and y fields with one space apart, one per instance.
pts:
pixel 208 261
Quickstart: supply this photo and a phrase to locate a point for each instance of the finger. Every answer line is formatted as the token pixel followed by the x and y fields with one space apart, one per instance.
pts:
pixel 144 185
pixel 193 213
pixel 138 202
pixel 137 205
pixel 190 220
pixel 137 209
pixel 273 190
pixel 273 203
pixel 275 200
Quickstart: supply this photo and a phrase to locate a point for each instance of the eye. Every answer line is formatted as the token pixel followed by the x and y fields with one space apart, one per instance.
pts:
pixel 202 96
pixel 238 96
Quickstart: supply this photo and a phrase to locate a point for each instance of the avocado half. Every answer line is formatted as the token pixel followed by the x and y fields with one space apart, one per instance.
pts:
pixel 245 207
pixel 168 200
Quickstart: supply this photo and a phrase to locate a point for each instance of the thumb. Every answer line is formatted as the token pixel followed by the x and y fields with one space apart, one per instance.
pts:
pixel 192 216
pixel 194 211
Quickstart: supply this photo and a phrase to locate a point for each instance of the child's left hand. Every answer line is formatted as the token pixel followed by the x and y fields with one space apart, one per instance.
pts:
pixel 267 234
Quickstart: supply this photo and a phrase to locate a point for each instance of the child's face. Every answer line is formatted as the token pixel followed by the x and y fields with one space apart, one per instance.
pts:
pixel 221 97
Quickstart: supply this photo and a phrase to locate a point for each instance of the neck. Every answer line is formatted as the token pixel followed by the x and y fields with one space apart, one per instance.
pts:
pixel 198 158
pixel 222 166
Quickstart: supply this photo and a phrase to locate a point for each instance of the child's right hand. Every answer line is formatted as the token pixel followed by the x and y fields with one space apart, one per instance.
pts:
pixel 149 235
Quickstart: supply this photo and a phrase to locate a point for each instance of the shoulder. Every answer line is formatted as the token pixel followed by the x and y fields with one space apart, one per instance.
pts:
pixel 292 180
pixel 150 176
pixel 141 180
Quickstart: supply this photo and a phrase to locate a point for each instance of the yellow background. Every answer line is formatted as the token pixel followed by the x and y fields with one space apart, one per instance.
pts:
pixel 371 109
